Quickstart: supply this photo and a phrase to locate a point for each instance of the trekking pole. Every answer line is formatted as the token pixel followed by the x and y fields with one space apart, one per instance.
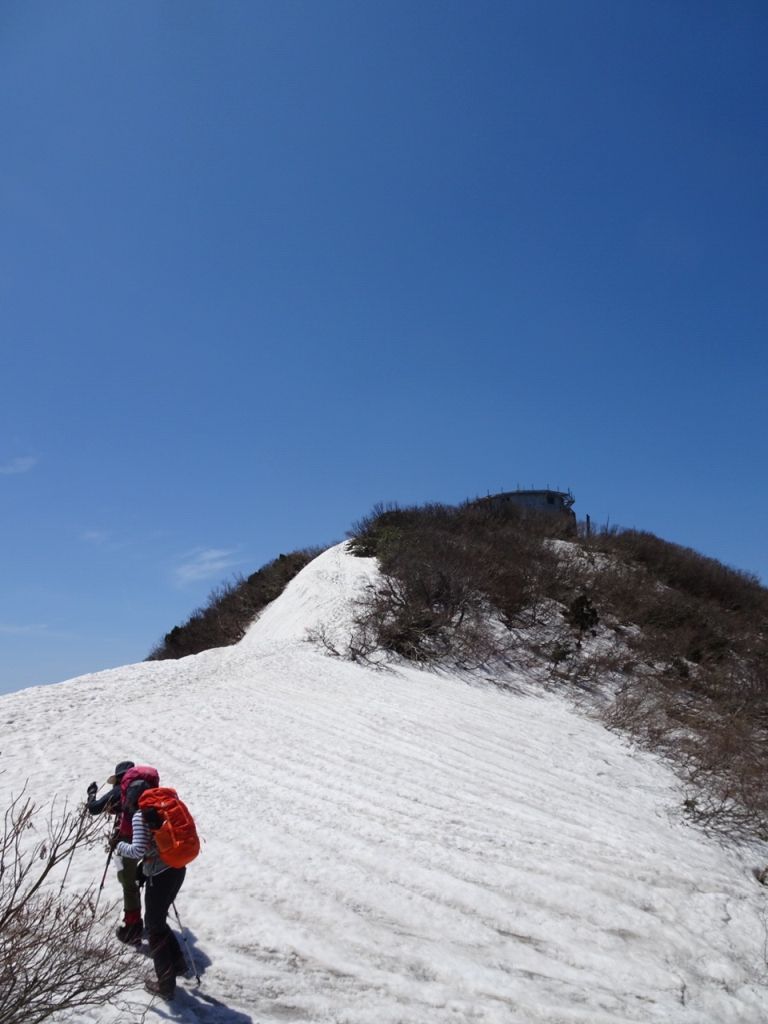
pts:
pixel 189 957
pixel 83 813
pixel 103 880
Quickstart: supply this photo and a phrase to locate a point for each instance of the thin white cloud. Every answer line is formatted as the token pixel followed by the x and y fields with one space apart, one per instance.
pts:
pixel 8 629
pixel 103 539
pixel 95 536
pixel 21 465
pixel 204 564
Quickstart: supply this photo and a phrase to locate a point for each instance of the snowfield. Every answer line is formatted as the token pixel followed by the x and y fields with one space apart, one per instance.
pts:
pixel 404 847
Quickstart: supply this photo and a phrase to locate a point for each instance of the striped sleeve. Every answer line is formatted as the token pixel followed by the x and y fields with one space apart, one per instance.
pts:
pixel 141 840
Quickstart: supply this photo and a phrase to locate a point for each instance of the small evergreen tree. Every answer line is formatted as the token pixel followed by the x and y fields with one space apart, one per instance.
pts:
pixel 582 615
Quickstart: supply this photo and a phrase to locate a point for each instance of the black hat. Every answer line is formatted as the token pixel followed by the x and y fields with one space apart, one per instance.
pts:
pixel 120 769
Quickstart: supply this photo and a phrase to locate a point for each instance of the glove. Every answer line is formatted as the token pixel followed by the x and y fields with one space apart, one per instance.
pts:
pixel 92 790
pixel 113 840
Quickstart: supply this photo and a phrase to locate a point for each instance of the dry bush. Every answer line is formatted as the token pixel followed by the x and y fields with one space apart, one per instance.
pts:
pixel 715 741
pixel 447 574
pixel 424 614
pixel 55 951
pixel 723 762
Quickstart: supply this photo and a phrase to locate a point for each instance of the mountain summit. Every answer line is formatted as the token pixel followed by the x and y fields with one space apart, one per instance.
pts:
pixel 405 845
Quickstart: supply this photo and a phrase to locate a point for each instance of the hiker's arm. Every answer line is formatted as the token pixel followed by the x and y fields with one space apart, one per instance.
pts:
pixel 108 802
pixel 140 842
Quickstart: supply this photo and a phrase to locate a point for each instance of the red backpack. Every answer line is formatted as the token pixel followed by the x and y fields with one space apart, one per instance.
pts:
pixel 139 771
pixel 176 838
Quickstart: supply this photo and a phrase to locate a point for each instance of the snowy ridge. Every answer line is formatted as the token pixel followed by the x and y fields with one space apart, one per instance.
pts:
pixel 403 847
pixel 323 594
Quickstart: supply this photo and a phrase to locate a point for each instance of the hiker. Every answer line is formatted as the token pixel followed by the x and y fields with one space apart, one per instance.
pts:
pixel 162 887
pixel 132 927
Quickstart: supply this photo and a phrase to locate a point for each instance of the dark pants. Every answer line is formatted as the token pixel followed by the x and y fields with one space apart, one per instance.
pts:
pixel 161 890
pixel 126 876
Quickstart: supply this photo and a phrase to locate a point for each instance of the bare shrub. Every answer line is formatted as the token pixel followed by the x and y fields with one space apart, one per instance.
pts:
pixel 417 616
pixel 55 953
pixel 446 572
pixel 717 748
pixel 684 569
pixel 321 635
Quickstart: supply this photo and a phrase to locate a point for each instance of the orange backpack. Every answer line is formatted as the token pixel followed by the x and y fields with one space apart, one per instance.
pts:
pixel 176 838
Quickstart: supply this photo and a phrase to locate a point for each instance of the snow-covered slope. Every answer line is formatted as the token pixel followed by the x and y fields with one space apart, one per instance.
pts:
pixel 403 847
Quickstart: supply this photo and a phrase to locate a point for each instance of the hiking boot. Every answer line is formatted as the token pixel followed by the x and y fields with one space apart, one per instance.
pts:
pixel 164 989
pixel 180 968
pixel 130 934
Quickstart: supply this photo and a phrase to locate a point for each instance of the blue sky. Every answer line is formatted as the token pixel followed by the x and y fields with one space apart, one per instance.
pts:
pixel 265 264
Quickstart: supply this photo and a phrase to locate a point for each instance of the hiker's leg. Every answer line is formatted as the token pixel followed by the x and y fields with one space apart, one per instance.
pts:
pixel 131 891
pixel 166 953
